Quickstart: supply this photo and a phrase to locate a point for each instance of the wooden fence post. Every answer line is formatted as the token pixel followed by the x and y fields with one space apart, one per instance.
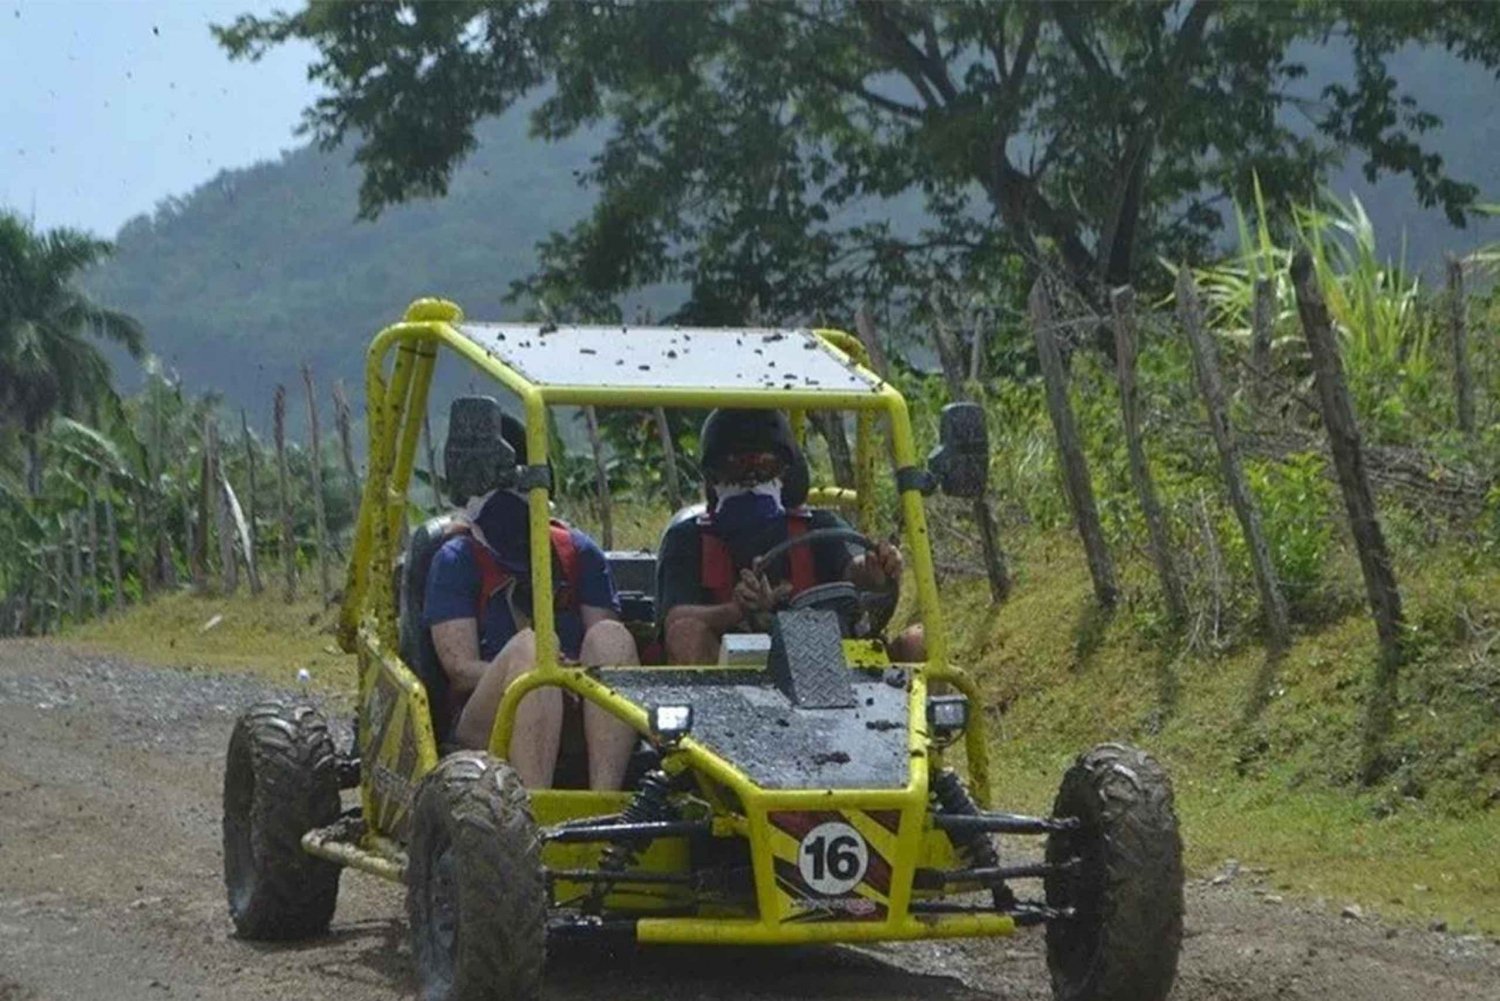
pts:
pixel 229 576
pixel 601 478
pixel 253 529
pixel 1262 324
pixel 432 469
pixel 60 574
pixel 1458 332
pixel 145 544
pixel 75 544
pixel 669 458
pixel 1211 384
pixel 995 569
pixel 288 540
pixel 112 542
pixel 93 554
pixel 346 443
pixel 1076 480
pixel 1211 387
pixel 1364 519
pixel 320 522
pixel 1122 306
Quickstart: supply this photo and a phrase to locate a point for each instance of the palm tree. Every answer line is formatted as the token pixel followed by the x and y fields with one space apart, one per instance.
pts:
pixel 47 363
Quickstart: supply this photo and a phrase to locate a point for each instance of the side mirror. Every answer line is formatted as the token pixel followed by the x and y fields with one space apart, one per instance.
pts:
pixel 476 457
pixel 961 462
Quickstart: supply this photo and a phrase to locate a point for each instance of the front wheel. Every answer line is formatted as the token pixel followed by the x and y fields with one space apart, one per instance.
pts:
pixel 1125 891
pixel 476 895
pixel 280 781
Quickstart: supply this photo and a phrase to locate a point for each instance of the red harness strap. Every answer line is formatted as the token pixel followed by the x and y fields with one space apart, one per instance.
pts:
pixel 717 567
pixel 494 577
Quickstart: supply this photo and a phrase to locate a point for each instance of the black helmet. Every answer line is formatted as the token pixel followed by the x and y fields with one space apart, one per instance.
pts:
pixel 733 432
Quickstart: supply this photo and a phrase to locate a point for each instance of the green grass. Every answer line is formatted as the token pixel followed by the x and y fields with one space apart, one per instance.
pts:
pixel 261 635
pixel 1274 789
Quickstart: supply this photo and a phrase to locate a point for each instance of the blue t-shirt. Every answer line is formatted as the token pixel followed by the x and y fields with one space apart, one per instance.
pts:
pixel 453 579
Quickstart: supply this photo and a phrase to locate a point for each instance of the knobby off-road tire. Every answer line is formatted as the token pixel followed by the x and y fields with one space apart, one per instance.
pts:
pixel 280 781
pixel 1122 945
pixel 476 896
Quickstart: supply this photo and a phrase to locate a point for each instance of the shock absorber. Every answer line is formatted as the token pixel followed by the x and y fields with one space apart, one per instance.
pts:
pixel 974 847
pixel 650 803
pixel 977 849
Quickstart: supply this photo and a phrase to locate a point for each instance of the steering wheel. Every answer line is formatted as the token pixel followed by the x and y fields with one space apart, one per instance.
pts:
pixel 861 613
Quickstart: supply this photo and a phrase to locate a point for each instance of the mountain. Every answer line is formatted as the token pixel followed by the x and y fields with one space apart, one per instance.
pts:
pixel 260 269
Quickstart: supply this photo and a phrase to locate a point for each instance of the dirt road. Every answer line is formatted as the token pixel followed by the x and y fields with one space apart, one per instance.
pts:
pixel 110 888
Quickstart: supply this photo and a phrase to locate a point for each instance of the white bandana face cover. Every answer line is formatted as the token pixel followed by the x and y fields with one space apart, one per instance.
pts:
pixel 729 491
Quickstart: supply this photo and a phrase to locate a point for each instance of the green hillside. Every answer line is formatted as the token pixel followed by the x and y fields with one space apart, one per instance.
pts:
pixel 260 269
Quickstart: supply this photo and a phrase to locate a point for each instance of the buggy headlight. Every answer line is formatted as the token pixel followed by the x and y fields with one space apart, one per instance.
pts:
pixel 670 723
pixel 947 715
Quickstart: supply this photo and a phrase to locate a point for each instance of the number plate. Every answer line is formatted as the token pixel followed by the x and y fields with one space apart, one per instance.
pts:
pixel 833 865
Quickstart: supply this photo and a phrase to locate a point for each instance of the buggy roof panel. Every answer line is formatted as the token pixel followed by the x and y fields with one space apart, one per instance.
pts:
pixel 673 358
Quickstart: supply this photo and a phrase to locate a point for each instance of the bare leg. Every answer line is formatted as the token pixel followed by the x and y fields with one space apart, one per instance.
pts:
pixel 692 641
pixel 538 730
pixel 908 648
pixel 607 644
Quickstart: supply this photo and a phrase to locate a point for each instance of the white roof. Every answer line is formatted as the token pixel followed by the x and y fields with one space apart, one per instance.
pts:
pixel 670 358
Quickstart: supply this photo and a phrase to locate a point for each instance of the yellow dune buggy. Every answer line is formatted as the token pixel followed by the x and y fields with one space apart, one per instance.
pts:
pixel 795 792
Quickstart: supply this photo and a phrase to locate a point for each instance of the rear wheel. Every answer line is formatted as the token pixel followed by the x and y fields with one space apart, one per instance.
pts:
pixel 476 896
pixel 280 781
pixel 1126 890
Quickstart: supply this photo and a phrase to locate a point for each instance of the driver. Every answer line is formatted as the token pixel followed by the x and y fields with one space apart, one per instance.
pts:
pixel 710 580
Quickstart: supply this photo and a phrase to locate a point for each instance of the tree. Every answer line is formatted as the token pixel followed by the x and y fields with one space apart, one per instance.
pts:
pixel 47 363
pixel 752 145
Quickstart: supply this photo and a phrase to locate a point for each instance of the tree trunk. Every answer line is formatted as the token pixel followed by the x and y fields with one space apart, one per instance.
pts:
pixel 1458 332
pixel 864 323
pixel 33 464
pixel 995 569
pixel 601 478
pixel 1079 486
pixel 669 458
pixel 112 541
pixel 976 350
pixel 252 526
pixel 1122 306
pixel 1364 519
pixel 1262 324
pixel 1211 386
pixel 320 522
pixel 288 539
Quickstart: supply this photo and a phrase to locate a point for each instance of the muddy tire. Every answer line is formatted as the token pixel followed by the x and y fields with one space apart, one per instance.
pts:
pixel 476 897
pixel 280 781
pixel 1123 941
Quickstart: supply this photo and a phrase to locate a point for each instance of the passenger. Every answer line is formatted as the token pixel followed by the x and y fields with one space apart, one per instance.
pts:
pixel 478 608
pixel 710 583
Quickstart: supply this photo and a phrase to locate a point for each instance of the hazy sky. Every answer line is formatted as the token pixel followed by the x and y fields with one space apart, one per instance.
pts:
pixel 106 107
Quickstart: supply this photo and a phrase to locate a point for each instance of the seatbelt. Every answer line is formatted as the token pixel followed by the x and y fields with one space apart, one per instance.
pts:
pixel 716 566
pixel 495 577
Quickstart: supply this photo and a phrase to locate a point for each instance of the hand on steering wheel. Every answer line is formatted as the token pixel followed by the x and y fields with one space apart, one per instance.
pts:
pixel 757 597
pixel 862 611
